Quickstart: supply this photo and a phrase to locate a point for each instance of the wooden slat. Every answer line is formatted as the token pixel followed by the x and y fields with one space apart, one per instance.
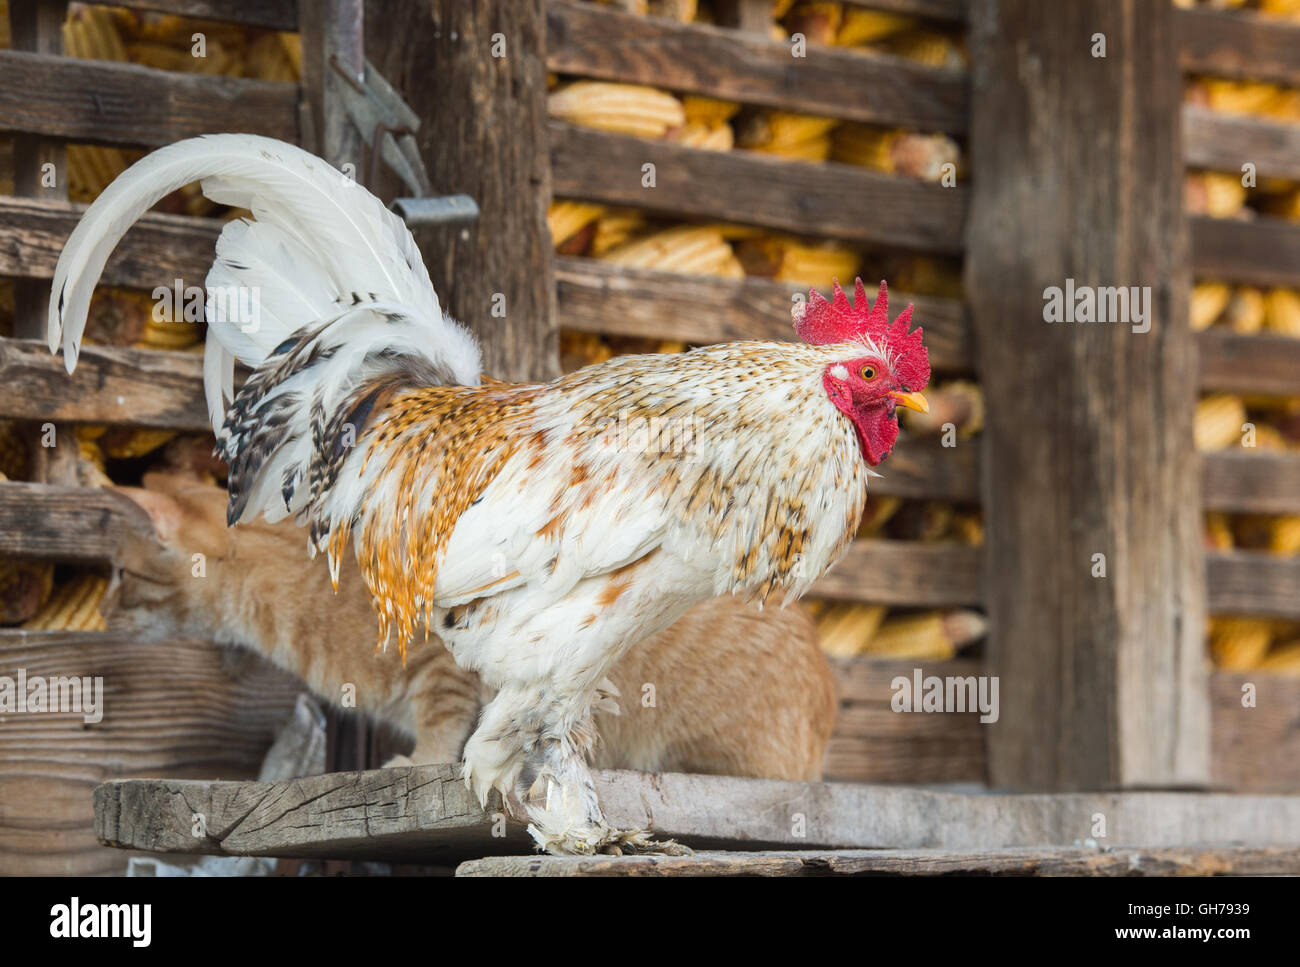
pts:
pixel 594 296
pixel 1253 582
pixel 157 250
pixel 905 573
pixel 595 41
pixel 1251 481
pixel 112 103
pixel 1235 44
pixel 952 11
pixel 1225 142
pixel 276 14
pixel 1255 747
pixel 1040 861
pixel 827 200
pixel 72 524
pixel 112 384
pixel 1264 251
pixel 1265 364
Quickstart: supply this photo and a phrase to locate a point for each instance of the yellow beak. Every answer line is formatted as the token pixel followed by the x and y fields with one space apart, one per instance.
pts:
pixel 913 401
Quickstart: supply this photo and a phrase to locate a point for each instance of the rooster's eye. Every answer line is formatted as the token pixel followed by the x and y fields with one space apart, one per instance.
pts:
pixel 868 372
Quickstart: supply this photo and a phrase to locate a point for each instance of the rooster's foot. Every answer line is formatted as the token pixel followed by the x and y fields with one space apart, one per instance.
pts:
pixel 637 842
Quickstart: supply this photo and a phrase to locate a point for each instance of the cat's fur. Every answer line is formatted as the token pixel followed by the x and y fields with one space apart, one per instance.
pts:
pixel 727 690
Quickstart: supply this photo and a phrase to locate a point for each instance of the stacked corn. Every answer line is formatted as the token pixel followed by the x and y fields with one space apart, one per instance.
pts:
pixel 1225 420
pixel 73 606
pixel 799 261
pixel 1245 309
pixel 1242 643
pixel 847 630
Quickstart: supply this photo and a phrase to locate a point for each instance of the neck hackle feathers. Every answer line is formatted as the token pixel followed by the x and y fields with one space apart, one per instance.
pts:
pixel 823 322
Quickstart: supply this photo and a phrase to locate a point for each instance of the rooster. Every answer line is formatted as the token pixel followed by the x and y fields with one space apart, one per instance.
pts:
pixel 533 527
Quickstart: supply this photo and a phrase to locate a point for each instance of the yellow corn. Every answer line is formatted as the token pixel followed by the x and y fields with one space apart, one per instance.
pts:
pixel 1218 532
pixel 1282 311
pixel 74 606
pixel 774 130
pixel 1238 644
pixel 614 228
pixel 1245 310
pixel 1284 535
pixel 708 110
pixel 926 47
pixel 621 108
pixel 1208 301
pixel 929 634
pixel 1283 659
pixel 566 219
pixel 846 630
pixel 687 249
pixel 1218 421
pixel 862 26
pixel 716 137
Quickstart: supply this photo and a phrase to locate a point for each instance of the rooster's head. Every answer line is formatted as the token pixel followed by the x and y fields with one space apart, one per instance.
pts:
pixel 875 366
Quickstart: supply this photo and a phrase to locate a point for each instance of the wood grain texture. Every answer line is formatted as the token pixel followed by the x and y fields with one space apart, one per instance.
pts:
pixel 178 709
pixel 595 41
pixel 1251 481
pixel 828 200
pixel 112 384
pixel 1236 44
pixel 276 14
pixel 594 296
pixel 100 102
pixel 1225 142
pixel 1256 747
pixel 1256 363
pixel 73 524
pixel 1042 861
pixel 905 573
pixel 1088 447
pixel 156 251
pixel 483 133
pixel 1254 583
pixel 1263 251
pixel 425 814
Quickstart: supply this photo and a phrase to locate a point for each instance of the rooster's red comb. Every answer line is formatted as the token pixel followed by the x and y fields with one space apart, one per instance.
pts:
pixel 820 322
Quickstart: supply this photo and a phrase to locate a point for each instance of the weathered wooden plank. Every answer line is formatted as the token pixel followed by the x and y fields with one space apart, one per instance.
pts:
pixel 1263 251
pixel 594 296
pixel 1103 679
pixel 1256 363
pixel 595 41
pixel 1253 582
pixel 497 274
pixel 111 103
pixel 276 14
pixel 61 523
pixel 1236 44
pixel 827 200
pixel 426 814
pixel 112 384
pixel 156 251
pixel 905 573
pixel 1042 861
pixel 1224 142
pixel 1256 732
pixel 175 708
pixel 1251 481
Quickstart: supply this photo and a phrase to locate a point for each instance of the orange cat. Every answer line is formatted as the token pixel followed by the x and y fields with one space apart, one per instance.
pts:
pixel 727 690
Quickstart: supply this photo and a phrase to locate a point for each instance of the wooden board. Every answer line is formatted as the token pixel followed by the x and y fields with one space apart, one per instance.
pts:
pixel 72 524
pixel 181 709
pixel 1237 44
pixel 1079 164
pixel 1263 251
pixel 1253 582
pixel 1251 481
pixel 1224 142
pixel 1080 861
pixel 426 814
pixel 827 200
pixel 1256 363
pixel 112 384
pixel 100 102
pixel 594 41
pixel 276 14
pixel 595 296
pixel 906 573
pixel 1256 743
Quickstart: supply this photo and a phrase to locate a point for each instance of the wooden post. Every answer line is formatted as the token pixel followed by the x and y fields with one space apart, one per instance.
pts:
pixel 1089 440
pixel 475 74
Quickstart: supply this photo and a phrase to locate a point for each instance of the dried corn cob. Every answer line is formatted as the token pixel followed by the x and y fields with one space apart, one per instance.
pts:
pixel 614 228
pixel 1209 299
pixel 927 521
pixel 1282 659
pixel 566 218
pixel 73 606
pixel 1215 194
pixel 708 110
pixel 1238 644
pixel 1218 532
pixel 1285 204
pixel 929 634
pixel 859 25
pixel 846 630
pixel 895 152
pixel 1218 421
pixel 789 259
pixel 717 137
pixel 1245 310
pixel 1282 311
pixel 621 108
pixel 927 47
pixel 968 528
pixel 687 249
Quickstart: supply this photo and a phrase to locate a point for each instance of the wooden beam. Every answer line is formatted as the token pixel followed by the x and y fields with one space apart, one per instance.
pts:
pixel 1235 44
pixel 70 524
pixel 1225 142
pixel 112 384
pixel 601 42
pixel 100 102
pixel 1256 743
pixel 828 200
pixel 1264 251
pixel 156 251
pixel 1103 677
pixel 425 814
pixel 1261 363
pixel 1251 481
pixel 1254 583
pixel 906 573
pixel 595 296
pixel 1041 861
pixel 497 274
pixel 276 14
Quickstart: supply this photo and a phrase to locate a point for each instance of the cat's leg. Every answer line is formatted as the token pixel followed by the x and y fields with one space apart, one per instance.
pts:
pixel 442 702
